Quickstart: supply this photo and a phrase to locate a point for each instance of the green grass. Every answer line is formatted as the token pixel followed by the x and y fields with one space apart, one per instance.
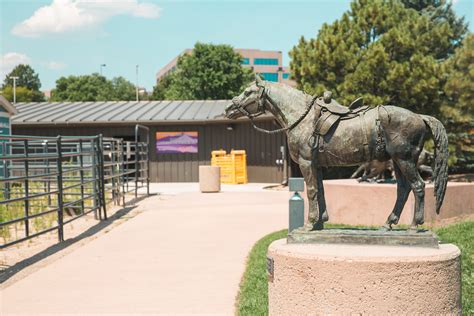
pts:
pixel 462 235
pixel 253 296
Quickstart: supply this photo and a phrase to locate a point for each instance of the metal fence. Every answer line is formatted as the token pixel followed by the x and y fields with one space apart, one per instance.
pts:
pixel 48 182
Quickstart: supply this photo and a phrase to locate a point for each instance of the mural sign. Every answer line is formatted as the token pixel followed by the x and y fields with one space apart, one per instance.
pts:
pixel 176 142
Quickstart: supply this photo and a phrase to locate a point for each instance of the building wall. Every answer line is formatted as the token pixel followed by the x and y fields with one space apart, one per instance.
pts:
pixel 262 149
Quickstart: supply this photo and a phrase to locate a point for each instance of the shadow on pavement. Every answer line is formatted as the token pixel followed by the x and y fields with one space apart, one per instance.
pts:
pixel 19 266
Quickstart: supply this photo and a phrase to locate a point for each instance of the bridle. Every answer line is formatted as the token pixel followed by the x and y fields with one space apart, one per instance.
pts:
pixel 263 96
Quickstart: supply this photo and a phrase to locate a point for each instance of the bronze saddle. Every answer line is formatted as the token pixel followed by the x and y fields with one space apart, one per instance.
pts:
pixel 330 112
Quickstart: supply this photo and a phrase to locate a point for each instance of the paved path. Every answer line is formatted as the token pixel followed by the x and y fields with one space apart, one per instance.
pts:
pixel 185 254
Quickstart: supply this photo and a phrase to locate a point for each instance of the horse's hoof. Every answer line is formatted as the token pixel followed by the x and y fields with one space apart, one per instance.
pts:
pixel 386 228
pixel 392 220
pixel 412 230
pixel 318 226
pixel 325 217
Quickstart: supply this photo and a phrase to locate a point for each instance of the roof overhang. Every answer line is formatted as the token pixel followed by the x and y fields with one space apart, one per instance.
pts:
pixel 4 103
pixel 148 123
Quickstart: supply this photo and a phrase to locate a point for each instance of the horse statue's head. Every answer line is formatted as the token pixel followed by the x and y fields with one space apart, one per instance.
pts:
pixel 249 103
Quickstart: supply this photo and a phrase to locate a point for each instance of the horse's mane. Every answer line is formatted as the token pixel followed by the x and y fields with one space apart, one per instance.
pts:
pixel 290 91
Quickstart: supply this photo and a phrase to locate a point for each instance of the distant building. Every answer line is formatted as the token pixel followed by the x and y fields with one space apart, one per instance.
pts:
pixel 268 64
pixel 47 94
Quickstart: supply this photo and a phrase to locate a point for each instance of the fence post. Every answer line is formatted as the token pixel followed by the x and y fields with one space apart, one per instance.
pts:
pixel 81 174
pixel 27 189
pixel 96 200
pixel 102 176
pixel 113 164
pixel 122 167
pixel 148 162
pixel 59 169
pixel 137 170
pixel 296 211
pixel 47 171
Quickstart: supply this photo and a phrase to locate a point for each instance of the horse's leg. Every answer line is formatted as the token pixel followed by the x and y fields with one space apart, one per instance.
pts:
pixel 417 185
pixel 403 190
pixel 311 191
pixel 324 217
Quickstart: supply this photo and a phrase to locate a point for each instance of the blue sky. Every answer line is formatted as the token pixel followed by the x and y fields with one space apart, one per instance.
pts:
pixel 73 37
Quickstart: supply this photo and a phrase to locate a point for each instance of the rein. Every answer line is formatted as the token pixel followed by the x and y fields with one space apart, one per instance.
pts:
pixel 283 129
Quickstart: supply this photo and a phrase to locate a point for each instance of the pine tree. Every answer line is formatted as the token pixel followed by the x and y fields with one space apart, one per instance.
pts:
pixel 458 109
pixel 387 51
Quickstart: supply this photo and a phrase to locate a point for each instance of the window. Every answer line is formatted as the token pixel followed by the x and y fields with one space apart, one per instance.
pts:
pixel 245 61
pixel 270 76
pixel 265 61
pixel 286 75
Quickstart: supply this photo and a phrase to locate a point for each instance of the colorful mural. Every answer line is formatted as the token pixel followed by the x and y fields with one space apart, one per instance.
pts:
pixel 176 142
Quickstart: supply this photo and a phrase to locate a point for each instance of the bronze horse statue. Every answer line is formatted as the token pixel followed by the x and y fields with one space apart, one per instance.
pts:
pixel 322 134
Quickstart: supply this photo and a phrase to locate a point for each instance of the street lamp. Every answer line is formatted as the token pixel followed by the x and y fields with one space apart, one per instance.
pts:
pixel 136 83
pixel 101 66
pixel 14 88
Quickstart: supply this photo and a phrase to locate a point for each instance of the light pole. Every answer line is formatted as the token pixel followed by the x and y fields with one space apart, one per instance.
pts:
pixel 14 88
pixel 136 82
pixel 101 66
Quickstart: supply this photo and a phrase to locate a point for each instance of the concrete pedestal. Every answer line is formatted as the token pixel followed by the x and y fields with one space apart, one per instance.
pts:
pixel 209 179
pixel 314 279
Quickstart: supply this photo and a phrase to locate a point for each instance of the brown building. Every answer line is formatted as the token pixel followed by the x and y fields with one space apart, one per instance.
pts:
pixel 202 120
pixel 268 64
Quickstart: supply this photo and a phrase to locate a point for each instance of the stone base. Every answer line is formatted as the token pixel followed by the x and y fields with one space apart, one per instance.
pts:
pixel 421 238
pixel 314 279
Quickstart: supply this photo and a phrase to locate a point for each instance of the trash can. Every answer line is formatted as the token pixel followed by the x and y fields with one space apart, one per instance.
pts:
pixel 209 179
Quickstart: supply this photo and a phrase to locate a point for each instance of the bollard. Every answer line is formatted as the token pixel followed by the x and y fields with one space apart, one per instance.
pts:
pixel 296 211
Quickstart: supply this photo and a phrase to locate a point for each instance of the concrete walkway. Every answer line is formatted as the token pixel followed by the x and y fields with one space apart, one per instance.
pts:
pixel 185 254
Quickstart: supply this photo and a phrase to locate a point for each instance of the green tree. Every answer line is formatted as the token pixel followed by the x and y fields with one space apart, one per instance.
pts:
pixel 27 85
pixel 159 91
pixel 123 90
pixel 459 87
pixel 441 11
pixel 209 72
pixel 27 78
pixel 458 109
pixel 23 94
pixel 384 50
pixel 82 88
pixel 93 88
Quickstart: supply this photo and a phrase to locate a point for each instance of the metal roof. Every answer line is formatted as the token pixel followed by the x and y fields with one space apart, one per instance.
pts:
pixel 119 112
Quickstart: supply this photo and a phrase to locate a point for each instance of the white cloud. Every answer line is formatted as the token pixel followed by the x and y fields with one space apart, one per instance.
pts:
pixel 69 15
pixel 8 61
pixel 56 65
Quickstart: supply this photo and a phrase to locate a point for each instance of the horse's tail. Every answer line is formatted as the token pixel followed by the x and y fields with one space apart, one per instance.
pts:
pixel 440 172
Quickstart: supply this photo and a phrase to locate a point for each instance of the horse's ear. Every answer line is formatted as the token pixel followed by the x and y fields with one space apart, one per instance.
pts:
pixel 258 80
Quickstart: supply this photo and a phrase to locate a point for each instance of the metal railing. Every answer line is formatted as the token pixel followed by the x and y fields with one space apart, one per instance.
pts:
pixel 48 182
